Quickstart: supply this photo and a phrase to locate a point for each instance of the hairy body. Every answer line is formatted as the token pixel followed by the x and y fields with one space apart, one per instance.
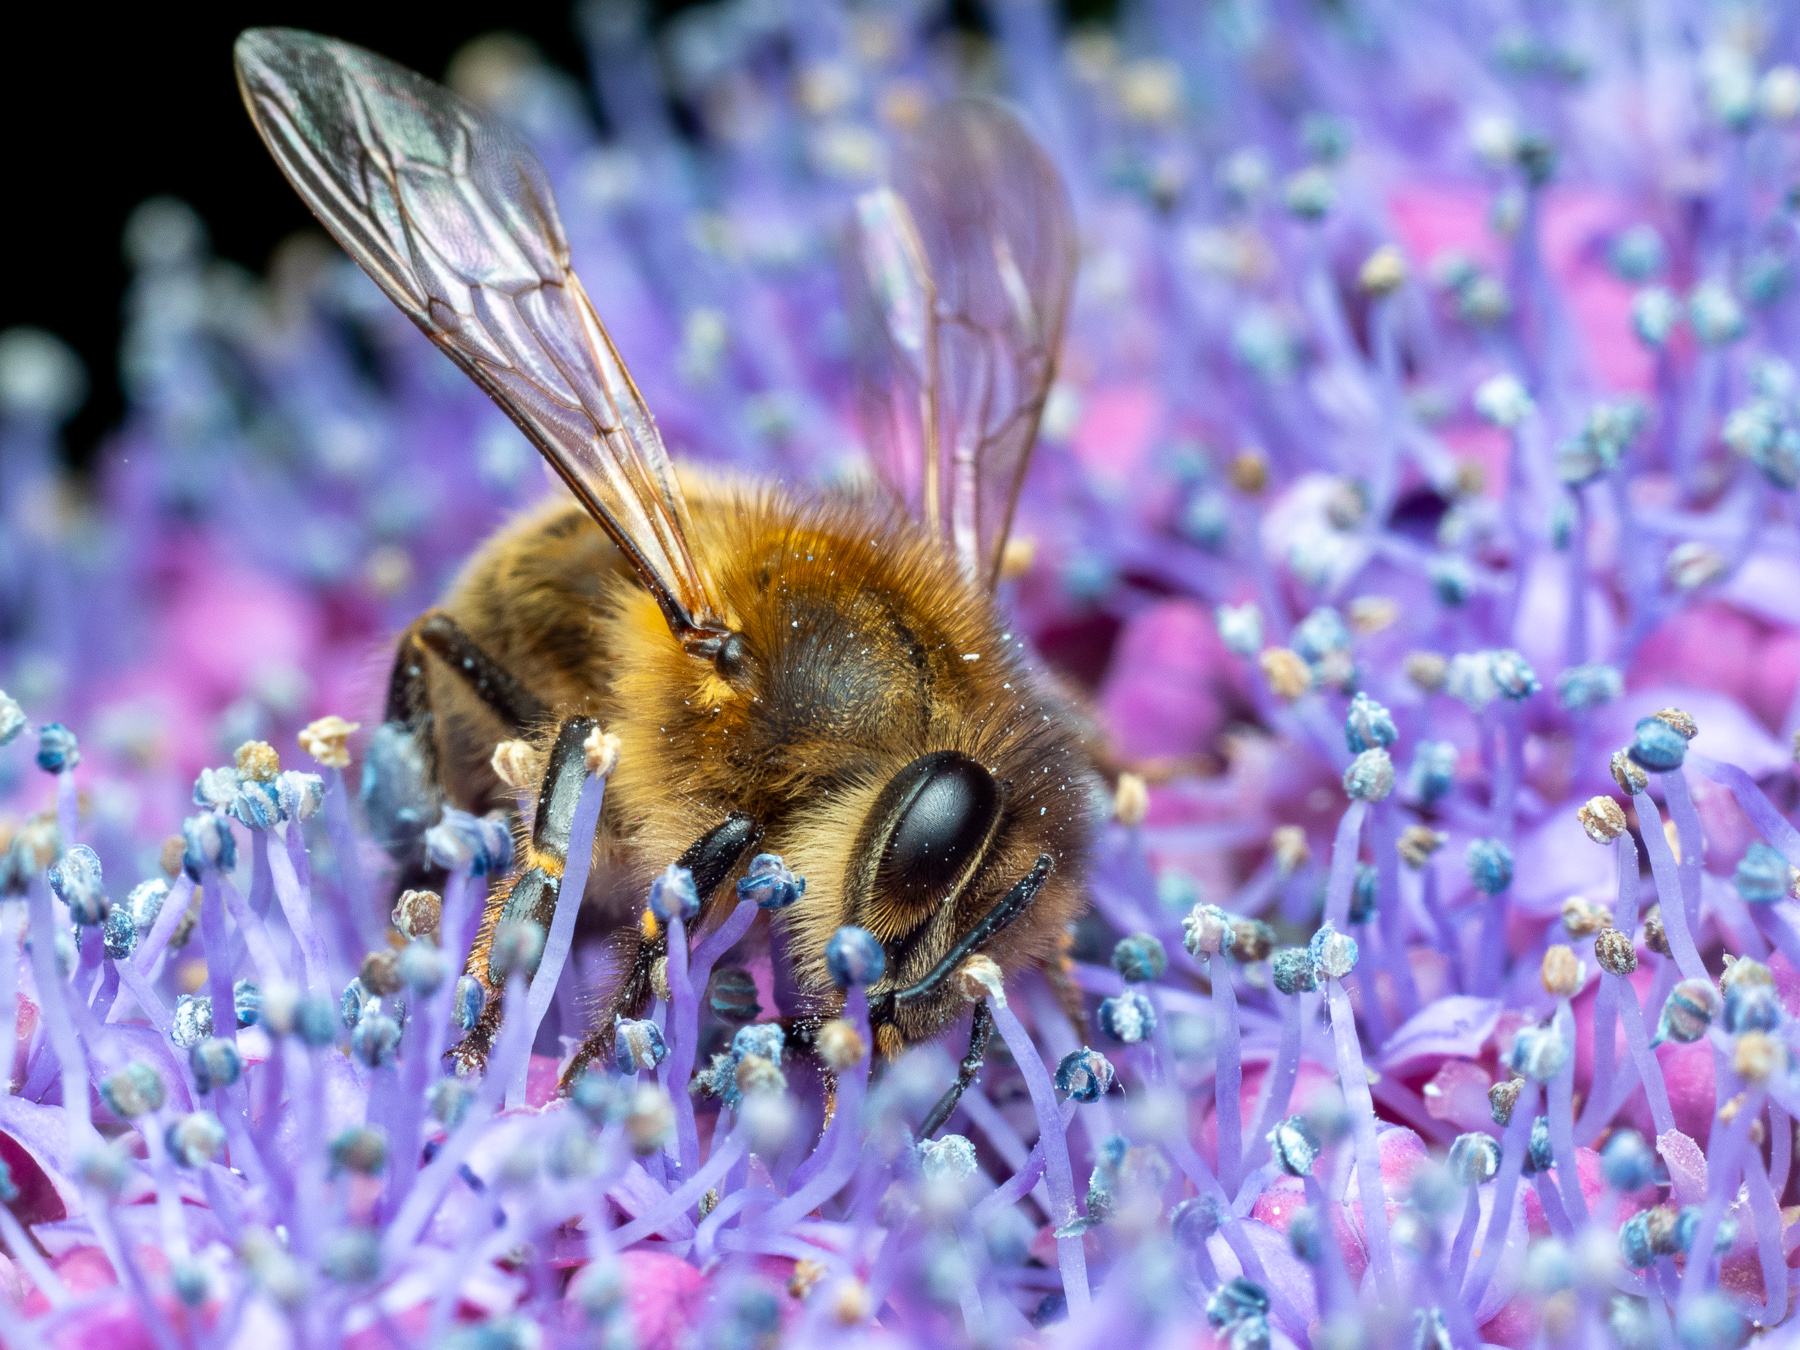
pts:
pixel 826 677
pixel 865 647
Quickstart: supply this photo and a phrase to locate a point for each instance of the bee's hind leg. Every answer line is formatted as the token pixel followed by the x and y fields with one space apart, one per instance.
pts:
pixel 981 1027
pixel 436 632
pixel 711 858
pixel 402 782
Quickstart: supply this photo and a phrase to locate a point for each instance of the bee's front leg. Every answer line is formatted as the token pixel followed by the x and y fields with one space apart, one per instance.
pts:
pixel 981 1027
pixel 711 858
pixel 532 889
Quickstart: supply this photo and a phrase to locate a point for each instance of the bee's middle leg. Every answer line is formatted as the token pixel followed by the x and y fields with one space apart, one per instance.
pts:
pixel 711 858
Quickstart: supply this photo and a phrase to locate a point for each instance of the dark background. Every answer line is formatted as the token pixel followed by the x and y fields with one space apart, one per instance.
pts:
pixel 104 107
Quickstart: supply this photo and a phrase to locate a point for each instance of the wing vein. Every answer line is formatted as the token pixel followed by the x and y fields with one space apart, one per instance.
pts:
pixel 457 224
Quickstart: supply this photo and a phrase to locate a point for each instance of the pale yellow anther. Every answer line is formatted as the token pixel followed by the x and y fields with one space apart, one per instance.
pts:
pixel 1132 801
pixel 1373 613
pixel 1248 472
pixel 1289 846
pixel 850 1304
pixel 515 764
pixel 840 1044
pixel 1602 818
pixel 257 761
pixel 1427 671
pixel 328 740
pixel 1289 676
pixel 602 750
pixel 979 977
pixel 1756 1056
pixel 1383 271
pixel 1561 972
pixel 1017 557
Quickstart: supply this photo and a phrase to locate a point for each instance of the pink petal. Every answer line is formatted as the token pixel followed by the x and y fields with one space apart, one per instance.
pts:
pixel 1168 682
pixel 1515 1325
pixel 34 1145
pixel 541 1079
pixel 1434 218
pixel 1117 427
pixel 26 1022
pixel 1686 1164
pixel 1688 1073
pixel 1456 1025
pixel 1457 1094
pixel 665 1295
pixel 1574 221
pixel 1587 1167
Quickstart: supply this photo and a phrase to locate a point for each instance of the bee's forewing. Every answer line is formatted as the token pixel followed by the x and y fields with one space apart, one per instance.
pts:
pixel 977 222
pixel 453 216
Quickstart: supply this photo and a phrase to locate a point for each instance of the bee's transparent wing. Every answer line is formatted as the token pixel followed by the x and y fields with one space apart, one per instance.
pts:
pixel 959 285
pixel 452 215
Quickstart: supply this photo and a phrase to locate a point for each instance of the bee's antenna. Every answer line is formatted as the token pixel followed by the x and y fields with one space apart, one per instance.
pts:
pixel 1011 905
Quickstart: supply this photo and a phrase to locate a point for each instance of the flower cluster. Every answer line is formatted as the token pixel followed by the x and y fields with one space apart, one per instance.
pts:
pixel 1414 509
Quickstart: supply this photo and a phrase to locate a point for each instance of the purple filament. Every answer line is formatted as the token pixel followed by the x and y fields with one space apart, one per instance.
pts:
pixel 355 910
pixel 1229 1073
pixel 1649 1071
pixel 296 908
pixel 1058 1172
pixel 1765 1216
pixel 1391 917
pixel 1512 1164
pixel 1668 888
pixel 842 1137
pixel 168 919
pixel 1560 1113
pixel 1355 1080
pixel 1278 1084
pixel 1464 1241
pixel 570 889
pixel 681 1026
pixel 1724 1164
pixel 60 1026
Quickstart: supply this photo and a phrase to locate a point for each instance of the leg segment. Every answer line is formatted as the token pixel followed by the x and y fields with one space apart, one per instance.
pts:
pixel 981 1027
pixel 441 635
pixel 711 858
pixel 532 890
pixel 402 782
pixel 714 854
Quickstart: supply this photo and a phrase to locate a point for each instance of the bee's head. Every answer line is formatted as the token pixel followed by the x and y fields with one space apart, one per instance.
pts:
pixel 876 716
pixel 958 831
pixel 956 857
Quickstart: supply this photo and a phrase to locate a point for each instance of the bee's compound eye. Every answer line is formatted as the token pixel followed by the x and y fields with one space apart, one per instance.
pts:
pixel 943 807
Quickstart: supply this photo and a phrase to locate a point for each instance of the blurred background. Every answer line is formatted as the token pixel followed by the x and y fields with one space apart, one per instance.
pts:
pixel 231 472
pixel 144 104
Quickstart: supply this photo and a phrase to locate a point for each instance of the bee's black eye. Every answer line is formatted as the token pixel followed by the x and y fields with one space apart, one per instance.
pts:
pixel 943 807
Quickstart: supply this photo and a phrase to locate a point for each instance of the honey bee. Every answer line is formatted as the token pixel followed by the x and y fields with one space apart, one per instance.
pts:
pixel 824 676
